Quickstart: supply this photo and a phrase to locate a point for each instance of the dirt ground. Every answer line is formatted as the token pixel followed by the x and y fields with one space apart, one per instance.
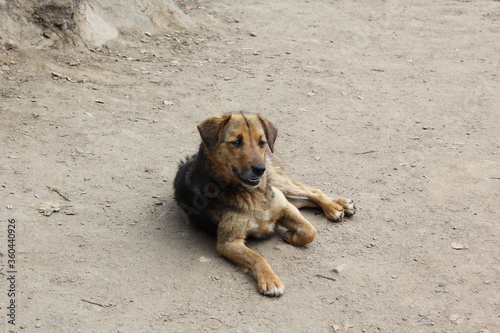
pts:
pixel 394 104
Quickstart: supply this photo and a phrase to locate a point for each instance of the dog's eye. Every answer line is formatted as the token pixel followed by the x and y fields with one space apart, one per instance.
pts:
pixel 262 144
pixel 237 143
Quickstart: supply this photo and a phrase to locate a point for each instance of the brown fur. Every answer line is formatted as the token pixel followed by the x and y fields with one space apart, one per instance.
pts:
pixel 237 186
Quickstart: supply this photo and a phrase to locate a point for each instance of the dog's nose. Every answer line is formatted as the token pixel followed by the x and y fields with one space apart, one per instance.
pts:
pixel 258 169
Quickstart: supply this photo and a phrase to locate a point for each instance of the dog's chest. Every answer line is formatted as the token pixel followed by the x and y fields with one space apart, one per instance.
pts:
pixel 262 226
pixel 263 222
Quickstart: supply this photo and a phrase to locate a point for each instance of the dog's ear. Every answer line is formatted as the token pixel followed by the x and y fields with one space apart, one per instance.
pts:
pixel 211 130
pixel 271 132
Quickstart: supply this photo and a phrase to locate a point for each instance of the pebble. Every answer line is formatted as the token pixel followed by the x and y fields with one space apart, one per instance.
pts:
pixel 339 269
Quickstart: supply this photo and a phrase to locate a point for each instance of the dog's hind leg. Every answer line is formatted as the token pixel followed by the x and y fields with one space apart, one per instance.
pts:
pixel 303 196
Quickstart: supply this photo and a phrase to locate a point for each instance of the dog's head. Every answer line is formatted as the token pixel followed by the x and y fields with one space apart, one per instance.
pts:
pixel 236 145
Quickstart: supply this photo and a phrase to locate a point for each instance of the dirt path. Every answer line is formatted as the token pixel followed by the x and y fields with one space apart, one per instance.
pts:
pixel 391 104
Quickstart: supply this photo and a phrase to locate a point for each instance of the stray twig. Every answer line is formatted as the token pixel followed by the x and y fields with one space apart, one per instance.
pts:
pixel 423 317
pixel 366 152
pixel 98 304
pixel 58 191
pixel 326 277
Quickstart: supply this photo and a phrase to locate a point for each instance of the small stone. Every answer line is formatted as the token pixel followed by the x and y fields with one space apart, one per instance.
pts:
pixel 457 246
pixel 339 269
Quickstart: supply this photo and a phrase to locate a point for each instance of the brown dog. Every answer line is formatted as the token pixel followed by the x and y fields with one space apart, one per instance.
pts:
pixel 236 187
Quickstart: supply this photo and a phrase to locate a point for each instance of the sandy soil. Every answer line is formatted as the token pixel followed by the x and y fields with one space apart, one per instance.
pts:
pixel 392 104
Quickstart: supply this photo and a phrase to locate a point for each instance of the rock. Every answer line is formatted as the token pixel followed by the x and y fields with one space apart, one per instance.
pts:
pixel 339 269
pixel 103 20
pixel 457 246
pixel 26 24
pixel 57 13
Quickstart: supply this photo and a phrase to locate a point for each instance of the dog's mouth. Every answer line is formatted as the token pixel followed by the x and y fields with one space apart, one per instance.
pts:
pixel 251 182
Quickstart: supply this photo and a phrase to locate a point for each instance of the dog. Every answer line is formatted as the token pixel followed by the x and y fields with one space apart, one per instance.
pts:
pixel 236 187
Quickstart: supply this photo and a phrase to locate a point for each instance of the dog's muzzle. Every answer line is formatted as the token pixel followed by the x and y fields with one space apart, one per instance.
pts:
pixel 251 178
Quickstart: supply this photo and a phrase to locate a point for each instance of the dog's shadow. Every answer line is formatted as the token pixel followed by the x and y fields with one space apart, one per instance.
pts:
pixel 181 233
pixel 181 238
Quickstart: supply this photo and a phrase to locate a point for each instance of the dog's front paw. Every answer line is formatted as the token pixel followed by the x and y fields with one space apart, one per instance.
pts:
pixel 271 286
pixel 339 208
pixel 348 205
pixel 334 212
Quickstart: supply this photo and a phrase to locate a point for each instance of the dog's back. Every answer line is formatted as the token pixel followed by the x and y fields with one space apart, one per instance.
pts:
pixel 190 180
